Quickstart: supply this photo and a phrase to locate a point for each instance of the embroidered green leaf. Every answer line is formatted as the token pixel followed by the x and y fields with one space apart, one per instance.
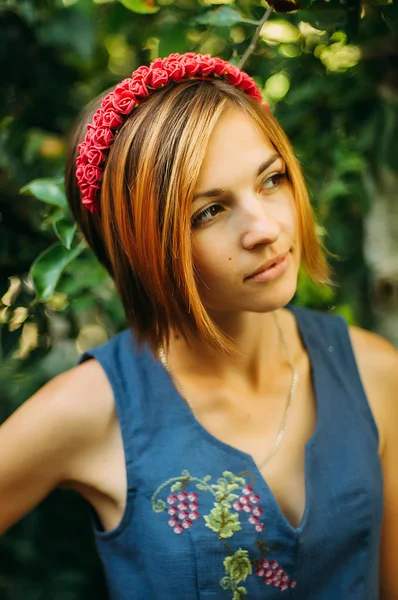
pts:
pixel 206 478
pixel 185 474
pixel 222 494
pixel 238 566
pixel 201 487
pixel 226 583
pixel 159 505
pixel 224 487
pixel 225 498
pixel 228 474
pixel 222 521
pixel 176 486
pixel 239 480
pixel 239 593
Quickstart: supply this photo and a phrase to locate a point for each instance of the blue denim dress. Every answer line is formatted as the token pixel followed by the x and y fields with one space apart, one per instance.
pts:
pixel 200 521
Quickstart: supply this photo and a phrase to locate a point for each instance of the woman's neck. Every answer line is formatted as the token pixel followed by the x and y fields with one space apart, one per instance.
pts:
pixel 260 351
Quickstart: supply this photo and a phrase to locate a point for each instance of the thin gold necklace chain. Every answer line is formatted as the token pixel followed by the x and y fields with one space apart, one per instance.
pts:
pixel 292 390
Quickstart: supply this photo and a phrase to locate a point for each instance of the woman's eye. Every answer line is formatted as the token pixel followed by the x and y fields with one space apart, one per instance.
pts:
pixel 274 181
pixel 206 215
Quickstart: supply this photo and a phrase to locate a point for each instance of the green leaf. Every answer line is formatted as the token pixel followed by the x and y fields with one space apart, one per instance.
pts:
pixel 176 486
pixel 221 17
pixel 48 267
pixel 46 190
pixel 140 6
pixel 65 231
pixel 223 522
pixel 238 566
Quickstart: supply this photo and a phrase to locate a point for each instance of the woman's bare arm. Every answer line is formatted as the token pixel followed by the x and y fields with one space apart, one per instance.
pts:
pixel 40 443
pixel 378 364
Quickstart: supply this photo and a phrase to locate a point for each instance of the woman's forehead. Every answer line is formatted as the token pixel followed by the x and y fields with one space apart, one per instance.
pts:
pixel 236 146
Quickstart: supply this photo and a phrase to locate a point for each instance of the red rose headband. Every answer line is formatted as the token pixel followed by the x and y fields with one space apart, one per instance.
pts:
pixel 117 105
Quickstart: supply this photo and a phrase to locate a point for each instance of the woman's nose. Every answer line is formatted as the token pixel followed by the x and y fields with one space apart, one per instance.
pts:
pixel 260 227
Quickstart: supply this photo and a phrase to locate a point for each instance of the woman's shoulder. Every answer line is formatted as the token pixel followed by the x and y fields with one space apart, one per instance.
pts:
pixel 377 361
pixel 88 390
pixel 81 401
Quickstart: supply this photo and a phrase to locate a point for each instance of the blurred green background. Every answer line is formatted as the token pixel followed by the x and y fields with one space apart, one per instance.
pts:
pixel 329 71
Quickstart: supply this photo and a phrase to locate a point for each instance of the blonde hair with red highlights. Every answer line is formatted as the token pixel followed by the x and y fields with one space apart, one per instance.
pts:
pixel 143 233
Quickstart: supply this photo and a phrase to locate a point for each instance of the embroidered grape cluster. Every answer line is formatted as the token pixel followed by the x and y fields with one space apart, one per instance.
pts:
pixel 273 574
pixel 247 503
pixel 229 492
pixel 183 510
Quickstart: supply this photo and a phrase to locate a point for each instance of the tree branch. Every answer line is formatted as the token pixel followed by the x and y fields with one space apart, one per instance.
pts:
pixel 255 37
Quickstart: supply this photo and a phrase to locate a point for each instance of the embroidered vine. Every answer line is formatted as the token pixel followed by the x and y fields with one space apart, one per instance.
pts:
pixel 232 497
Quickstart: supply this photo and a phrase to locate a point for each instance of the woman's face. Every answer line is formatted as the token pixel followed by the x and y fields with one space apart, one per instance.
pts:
pixel 246 218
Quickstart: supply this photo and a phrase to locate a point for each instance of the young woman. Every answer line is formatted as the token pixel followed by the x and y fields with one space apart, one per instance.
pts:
pixel 231 446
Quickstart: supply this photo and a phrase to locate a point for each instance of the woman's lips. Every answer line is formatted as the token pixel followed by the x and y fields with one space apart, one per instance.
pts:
pixel 272 272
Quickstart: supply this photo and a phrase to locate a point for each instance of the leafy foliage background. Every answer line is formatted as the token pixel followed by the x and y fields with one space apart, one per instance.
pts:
pixel 329 71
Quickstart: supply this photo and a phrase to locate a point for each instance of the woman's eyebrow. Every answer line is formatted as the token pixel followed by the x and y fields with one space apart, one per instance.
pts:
pixel 218 191
pixel 267 163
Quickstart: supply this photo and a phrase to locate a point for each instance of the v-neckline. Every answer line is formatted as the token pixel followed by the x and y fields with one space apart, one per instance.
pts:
pixel 229 449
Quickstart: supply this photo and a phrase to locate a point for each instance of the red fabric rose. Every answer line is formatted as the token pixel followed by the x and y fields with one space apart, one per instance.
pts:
pixel 111 119
pixel 138 88
pixel 192 66
pixel 84 187
pixel 97 118
pixel 90 200
pixel 92 174
pixel 220 66
pixel 80 173
pixel 249 86
pixel 156 78
pixel 95 156
pixel 107 102
pixel 123 100
pixel 174 56
pixel 156 64
pixel 175 69
pixel 207 65
pixel 125 84
pixel 101 138
pixel 140 72
pixel 234 75
pixel 82 153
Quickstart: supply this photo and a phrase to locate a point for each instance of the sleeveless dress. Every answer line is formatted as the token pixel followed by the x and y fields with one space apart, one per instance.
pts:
pixel 200 521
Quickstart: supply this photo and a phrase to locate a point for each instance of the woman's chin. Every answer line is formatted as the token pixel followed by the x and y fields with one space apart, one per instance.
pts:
pixel 259 301
pixel 271 303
